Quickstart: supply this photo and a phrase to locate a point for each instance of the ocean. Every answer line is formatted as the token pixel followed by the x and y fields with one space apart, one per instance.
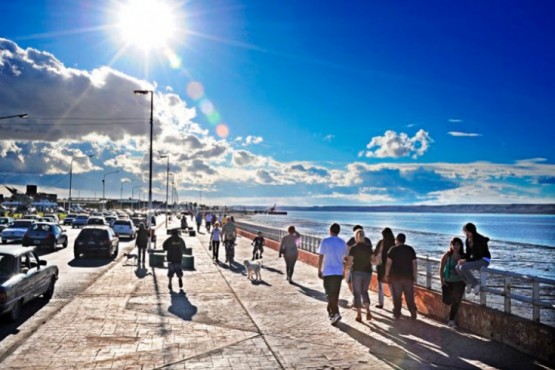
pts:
pixel 519 243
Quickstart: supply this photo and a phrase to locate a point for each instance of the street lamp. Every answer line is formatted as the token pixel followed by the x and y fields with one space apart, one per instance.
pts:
pixel 24 115
pixel 104 182
pixel 71 177
pixel 149 217
pixel 133 195
pixel 167 183
pixel 121 191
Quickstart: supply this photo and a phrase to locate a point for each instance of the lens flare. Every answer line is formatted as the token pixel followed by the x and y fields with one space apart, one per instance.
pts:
pixel 173 58
pixel 222 130
pixel 195 90
pixel 206 107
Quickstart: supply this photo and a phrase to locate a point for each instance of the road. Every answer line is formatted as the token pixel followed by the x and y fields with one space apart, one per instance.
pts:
pixel 74 277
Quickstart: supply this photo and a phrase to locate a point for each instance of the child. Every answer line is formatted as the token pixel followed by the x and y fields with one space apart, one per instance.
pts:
pixel 258 243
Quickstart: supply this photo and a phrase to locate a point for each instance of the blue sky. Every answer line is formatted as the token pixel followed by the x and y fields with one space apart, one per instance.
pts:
pixel 321 103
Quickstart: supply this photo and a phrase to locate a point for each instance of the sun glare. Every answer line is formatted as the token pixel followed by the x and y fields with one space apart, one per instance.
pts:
pixel 147 24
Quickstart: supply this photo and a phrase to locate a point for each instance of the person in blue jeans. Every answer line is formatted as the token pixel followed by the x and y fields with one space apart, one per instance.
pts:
pixel 361 272
pixel 477 256
pixel 400 272
pixel 331 262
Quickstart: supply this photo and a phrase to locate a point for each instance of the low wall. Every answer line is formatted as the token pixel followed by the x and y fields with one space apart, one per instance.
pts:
pixel 524 335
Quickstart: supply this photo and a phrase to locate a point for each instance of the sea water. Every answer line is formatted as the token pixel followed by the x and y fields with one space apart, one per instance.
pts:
pixel 519 243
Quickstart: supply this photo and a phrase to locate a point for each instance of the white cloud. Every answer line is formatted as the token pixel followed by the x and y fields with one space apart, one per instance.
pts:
pixel 329 137
pixel 248 140
pixel 455 120
pixel 393 145
pixel 463 134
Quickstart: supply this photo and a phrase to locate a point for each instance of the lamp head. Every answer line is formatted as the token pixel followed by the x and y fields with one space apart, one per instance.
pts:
pixel 141 92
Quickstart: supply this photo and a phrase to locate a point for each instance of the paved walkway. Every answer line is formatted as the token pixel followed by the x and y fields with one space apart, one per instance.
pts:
pixel 221 320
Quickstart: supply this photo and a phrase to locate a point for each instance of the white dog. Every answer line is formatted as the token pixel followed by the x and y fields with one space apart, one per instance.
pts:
pixel 252 268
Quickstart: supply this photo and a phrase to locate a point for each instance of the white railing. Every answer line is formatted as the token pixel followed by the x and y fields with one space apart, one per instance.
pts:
pixel 528 296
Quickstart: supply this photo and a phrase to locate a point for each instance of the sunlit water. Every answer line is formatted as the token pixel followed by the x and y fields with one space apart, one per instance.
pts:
pixel 519 243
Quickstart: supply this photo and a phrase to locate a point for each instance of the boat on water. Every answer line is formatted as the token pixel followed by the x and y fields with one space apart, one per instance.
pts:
pixel 273 211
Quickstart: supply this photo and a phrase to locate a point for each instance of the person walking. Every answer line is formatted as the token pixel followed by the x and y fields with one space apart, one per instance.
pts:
pixel 289 249
pixel 382 248
pixel 229 232
pixel 350 243
pixel 175 248
pixel 215 237
pixel 451 279
pixel 198 219
pixel 258 246
pixel 361 270
pixel 400 272
pixel 331 261
pixel 142 243
pixel 477 256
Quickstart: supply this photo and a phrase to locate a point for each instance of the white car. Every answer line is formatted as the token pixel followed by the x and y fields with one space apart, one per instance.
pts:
pixel 124 228
pixel 16 231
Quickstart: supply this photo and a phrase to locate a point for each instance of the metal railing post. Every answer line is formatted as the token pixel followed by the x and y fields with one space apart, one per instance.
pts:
pixel 535 299
pixel 483 284
pixel 507 294
pixel 428 273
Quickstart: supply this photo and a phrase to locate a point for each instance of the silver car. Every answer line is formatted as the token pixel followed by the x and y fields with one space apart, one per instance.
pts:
pixel 16 231
pixel 124 228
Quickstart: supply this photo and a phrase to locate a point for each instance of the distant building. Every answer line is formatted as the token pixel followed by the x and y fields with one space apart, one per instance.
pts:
pixel 31 191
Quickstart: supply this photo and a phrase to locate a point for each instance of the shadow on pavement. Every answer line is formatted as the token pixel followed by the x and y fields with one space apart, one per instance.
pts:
pixel 271 269
pixel 260 282
pixel 142 272
pixel 89 262
pixel 28 310
pixel 312 293
pixel 181 306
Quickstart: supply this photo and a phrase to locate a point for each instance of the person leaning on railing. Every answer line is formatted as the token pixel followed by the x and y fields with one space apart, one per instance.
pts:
pixel 454 286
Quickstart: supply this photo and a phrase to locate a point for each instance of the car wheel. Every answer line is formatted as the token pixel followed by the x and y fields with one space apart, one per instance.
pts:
pixel 53 245
pixel 50 291
pixel 65 244
pixel 14 314
pixel 116 251
pixel 4 241
pixel 76 254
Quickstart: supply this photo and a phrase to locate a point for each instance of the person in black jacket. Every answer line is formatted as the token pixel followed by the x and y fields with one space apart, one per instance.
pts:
pixel 142 243
pixel 477 256
pixel 175 247
pixel 387 241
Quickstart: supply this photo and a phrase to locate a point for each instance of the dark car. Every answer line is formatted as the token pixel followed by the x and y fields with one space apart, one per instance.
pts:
pixel 45 234
pixel 96 240
pixel 97 220
pixel 23 276
pixel 69 219
pixel 80 221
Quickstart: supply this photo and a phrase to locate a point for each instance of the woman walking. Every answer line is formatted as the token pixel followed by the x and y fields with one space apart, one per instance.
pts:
pixel 359 259
pixel 451 279
pixel 215 241
pixel 142 243
pixel 289 250
pixel 387 241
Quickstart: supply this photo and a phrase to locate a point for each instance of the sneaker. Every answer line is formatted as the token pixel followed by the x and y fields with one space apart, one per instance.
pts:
pixel 468 289
pixel 477 289
pixel 379 306
pixel 180 283
pixel 335 319
pixel 451 324
pixel 413 315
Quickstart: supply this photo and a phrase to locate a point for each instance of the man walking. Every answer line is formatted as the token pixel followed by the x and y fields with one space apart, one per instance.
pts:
pixel 400 272
pixel 331 261
pixel 175 247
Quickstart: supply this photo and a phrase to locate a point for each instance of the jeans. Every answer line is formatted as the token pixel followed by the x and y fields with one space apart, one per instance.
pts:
pixel 332 286
pixel 141 255
pixel 402 286
pixel 360 281
pixel 290 261
pixel 380 293
pixel 457 291
pixel 465 272
pixel 215 249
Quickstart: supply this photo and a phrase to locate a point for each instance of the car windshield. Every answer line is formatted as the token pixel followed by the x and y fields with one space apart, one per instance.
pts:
pixel 22 224
pixel 41 227
pixel 93 233
pixel 82 217
pixel 6 264
pixel 3 221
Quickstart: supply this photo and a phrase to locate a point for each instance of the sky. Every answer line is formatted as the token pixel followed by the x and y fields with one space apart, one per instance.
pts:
pixel 298 103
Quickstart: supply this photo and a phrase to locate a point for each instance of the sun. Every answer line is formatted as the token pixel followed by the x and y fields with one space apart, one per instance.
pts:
pixel 147 24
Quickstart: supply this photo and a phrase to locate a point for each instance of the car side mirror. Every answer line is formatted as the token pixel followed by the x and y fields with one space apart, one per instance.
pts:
pixel 42 262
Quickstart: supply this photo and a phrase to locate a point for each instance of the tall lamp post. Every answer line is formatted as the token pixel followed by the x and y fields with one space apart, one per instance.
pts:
pixel 71 178
pixel 104 182
pixel 133 194
pixel 121 191
pixel 167 183
pixel 149 217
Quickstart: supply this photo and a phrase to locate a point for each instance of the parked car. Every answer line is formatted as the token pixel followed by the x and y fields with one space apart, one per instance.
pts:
pixel 125 228
pixel 69 219
pixel 96 239
pixel 53 216
pixel 80 221
pixel 16 231
pixel 45 234
pixel 5 222
pixel 97 220
pixel 23 276
pixel 31 216
pixel 110 220
pixel 138 220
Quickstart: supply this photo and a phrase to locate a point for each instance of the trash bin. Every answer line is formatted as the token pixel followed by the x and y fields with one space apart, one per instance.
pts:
pixel 188 262
pixel 156 258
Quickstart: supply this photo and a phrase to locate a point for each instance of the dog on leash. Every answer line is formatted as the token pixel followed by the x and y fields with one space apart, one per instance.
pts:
pixel 130 256
pixel 253 268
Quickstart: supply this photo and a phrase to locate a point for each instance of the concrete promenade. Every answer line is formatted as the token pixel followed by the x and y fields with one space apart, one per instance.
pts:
pixel 128 319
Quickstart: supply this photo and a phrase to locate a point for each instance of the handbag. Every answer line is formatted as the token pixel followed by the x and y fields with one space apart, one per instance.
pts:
pixel 446 294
